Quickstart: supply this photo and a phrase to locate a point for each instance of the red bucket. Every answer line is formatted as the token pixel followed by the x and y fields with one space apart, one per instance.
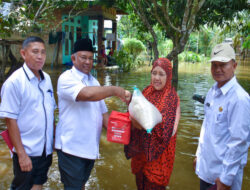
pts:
pixel 119 126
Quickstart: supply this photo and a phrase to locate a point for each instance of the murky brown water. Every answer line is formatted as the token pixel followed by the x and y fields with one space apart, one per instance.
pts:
pixel 112 170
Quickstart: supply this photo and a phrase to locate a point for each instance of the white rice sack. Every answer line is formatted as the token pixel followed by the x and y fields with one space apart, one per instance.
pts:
pixel 144 112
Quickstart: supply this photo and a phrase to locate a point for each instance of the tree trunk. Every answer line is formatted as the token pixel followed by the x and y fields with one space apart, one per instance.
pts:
pixel 8 59
pixel 14 64
pixel 155 49
pixel 2 64
pixel 173 56
pixel 175 72
pixel 5 55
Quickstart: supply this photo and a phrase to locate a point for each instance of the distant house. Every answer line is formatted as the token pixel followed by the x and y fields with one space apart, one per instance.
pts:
pixel 59 43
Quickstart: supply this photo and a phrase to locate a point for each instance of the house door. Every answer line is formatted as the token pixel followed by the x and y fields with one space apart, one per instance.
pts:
pixel 73 28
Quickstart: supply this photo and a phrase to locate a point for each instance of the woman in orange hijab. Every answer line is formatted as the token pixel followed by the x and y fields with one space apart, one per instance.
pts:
pixel 153 154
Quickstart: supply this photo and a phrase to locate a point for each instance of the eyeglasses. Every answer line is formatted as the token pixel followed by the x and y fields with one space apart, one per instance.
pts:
pixel 84 59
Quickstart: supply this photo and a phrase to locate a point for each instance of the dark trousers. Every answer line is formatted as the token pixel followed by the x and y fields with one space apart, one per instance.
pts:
pixel 38 174
pixel 75 171
pixel 204 185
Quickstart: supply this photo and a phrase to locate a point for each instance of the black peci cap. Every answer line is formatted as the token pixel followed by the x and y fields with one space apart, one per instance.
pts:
pixel 83 45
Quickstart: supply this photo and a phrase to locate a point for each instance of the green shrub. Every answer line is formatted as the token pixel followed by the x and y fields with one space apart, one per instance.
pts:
pixel 246 43
pixel 133 47
pixel 189 56
pixel 123 60
pixel 126 58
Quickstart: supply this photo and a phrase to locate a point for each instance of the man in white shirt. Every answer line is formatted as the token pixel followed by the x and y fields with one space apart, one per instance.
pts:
pixel 224 139
pixel 82 113
pixel 28 107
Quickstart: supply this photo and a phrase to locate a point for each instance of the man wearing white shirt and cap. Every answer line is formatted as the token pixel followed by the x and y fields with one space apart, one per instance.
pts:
pixel 82 113
pixel 28 107
pixel 224 140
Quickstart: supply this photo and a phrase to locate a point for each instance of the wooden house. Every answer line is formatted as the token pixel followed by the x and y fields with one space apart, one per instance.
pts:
pixel 59 43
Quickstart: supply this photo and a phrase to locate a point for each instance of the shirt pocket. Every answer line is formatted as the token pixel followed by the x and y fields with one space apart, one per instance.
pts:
pixel 220 123
pixel 50 101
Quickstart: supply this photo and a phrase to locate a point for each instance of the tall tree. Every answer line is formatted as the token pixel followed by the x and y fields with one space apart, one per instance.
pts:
pixel 179 18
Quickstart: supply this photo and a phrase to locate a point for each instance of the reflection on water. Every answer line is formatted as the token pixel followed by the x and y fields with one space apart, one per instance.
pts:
pixel 112 170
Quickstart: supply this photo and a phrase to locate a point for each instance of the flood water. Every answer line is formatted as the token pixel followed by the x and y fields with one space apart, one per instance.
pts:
pixel 112 170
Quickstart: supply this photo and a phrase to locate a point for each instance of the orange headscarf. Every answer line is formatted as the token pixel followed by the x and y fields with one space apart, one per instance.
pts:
pixel 151 93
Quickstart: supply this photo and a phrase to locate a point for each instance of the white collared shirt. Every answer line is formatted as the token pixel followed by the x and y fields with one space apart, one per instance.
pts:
pixel 224 140
pixel 31 102
pixel 80 122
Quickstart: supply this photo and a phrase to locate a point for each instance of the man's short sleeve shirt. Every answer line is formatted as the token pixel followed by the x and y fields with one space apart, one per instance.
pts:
pixel 80 122
pixel 31 102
